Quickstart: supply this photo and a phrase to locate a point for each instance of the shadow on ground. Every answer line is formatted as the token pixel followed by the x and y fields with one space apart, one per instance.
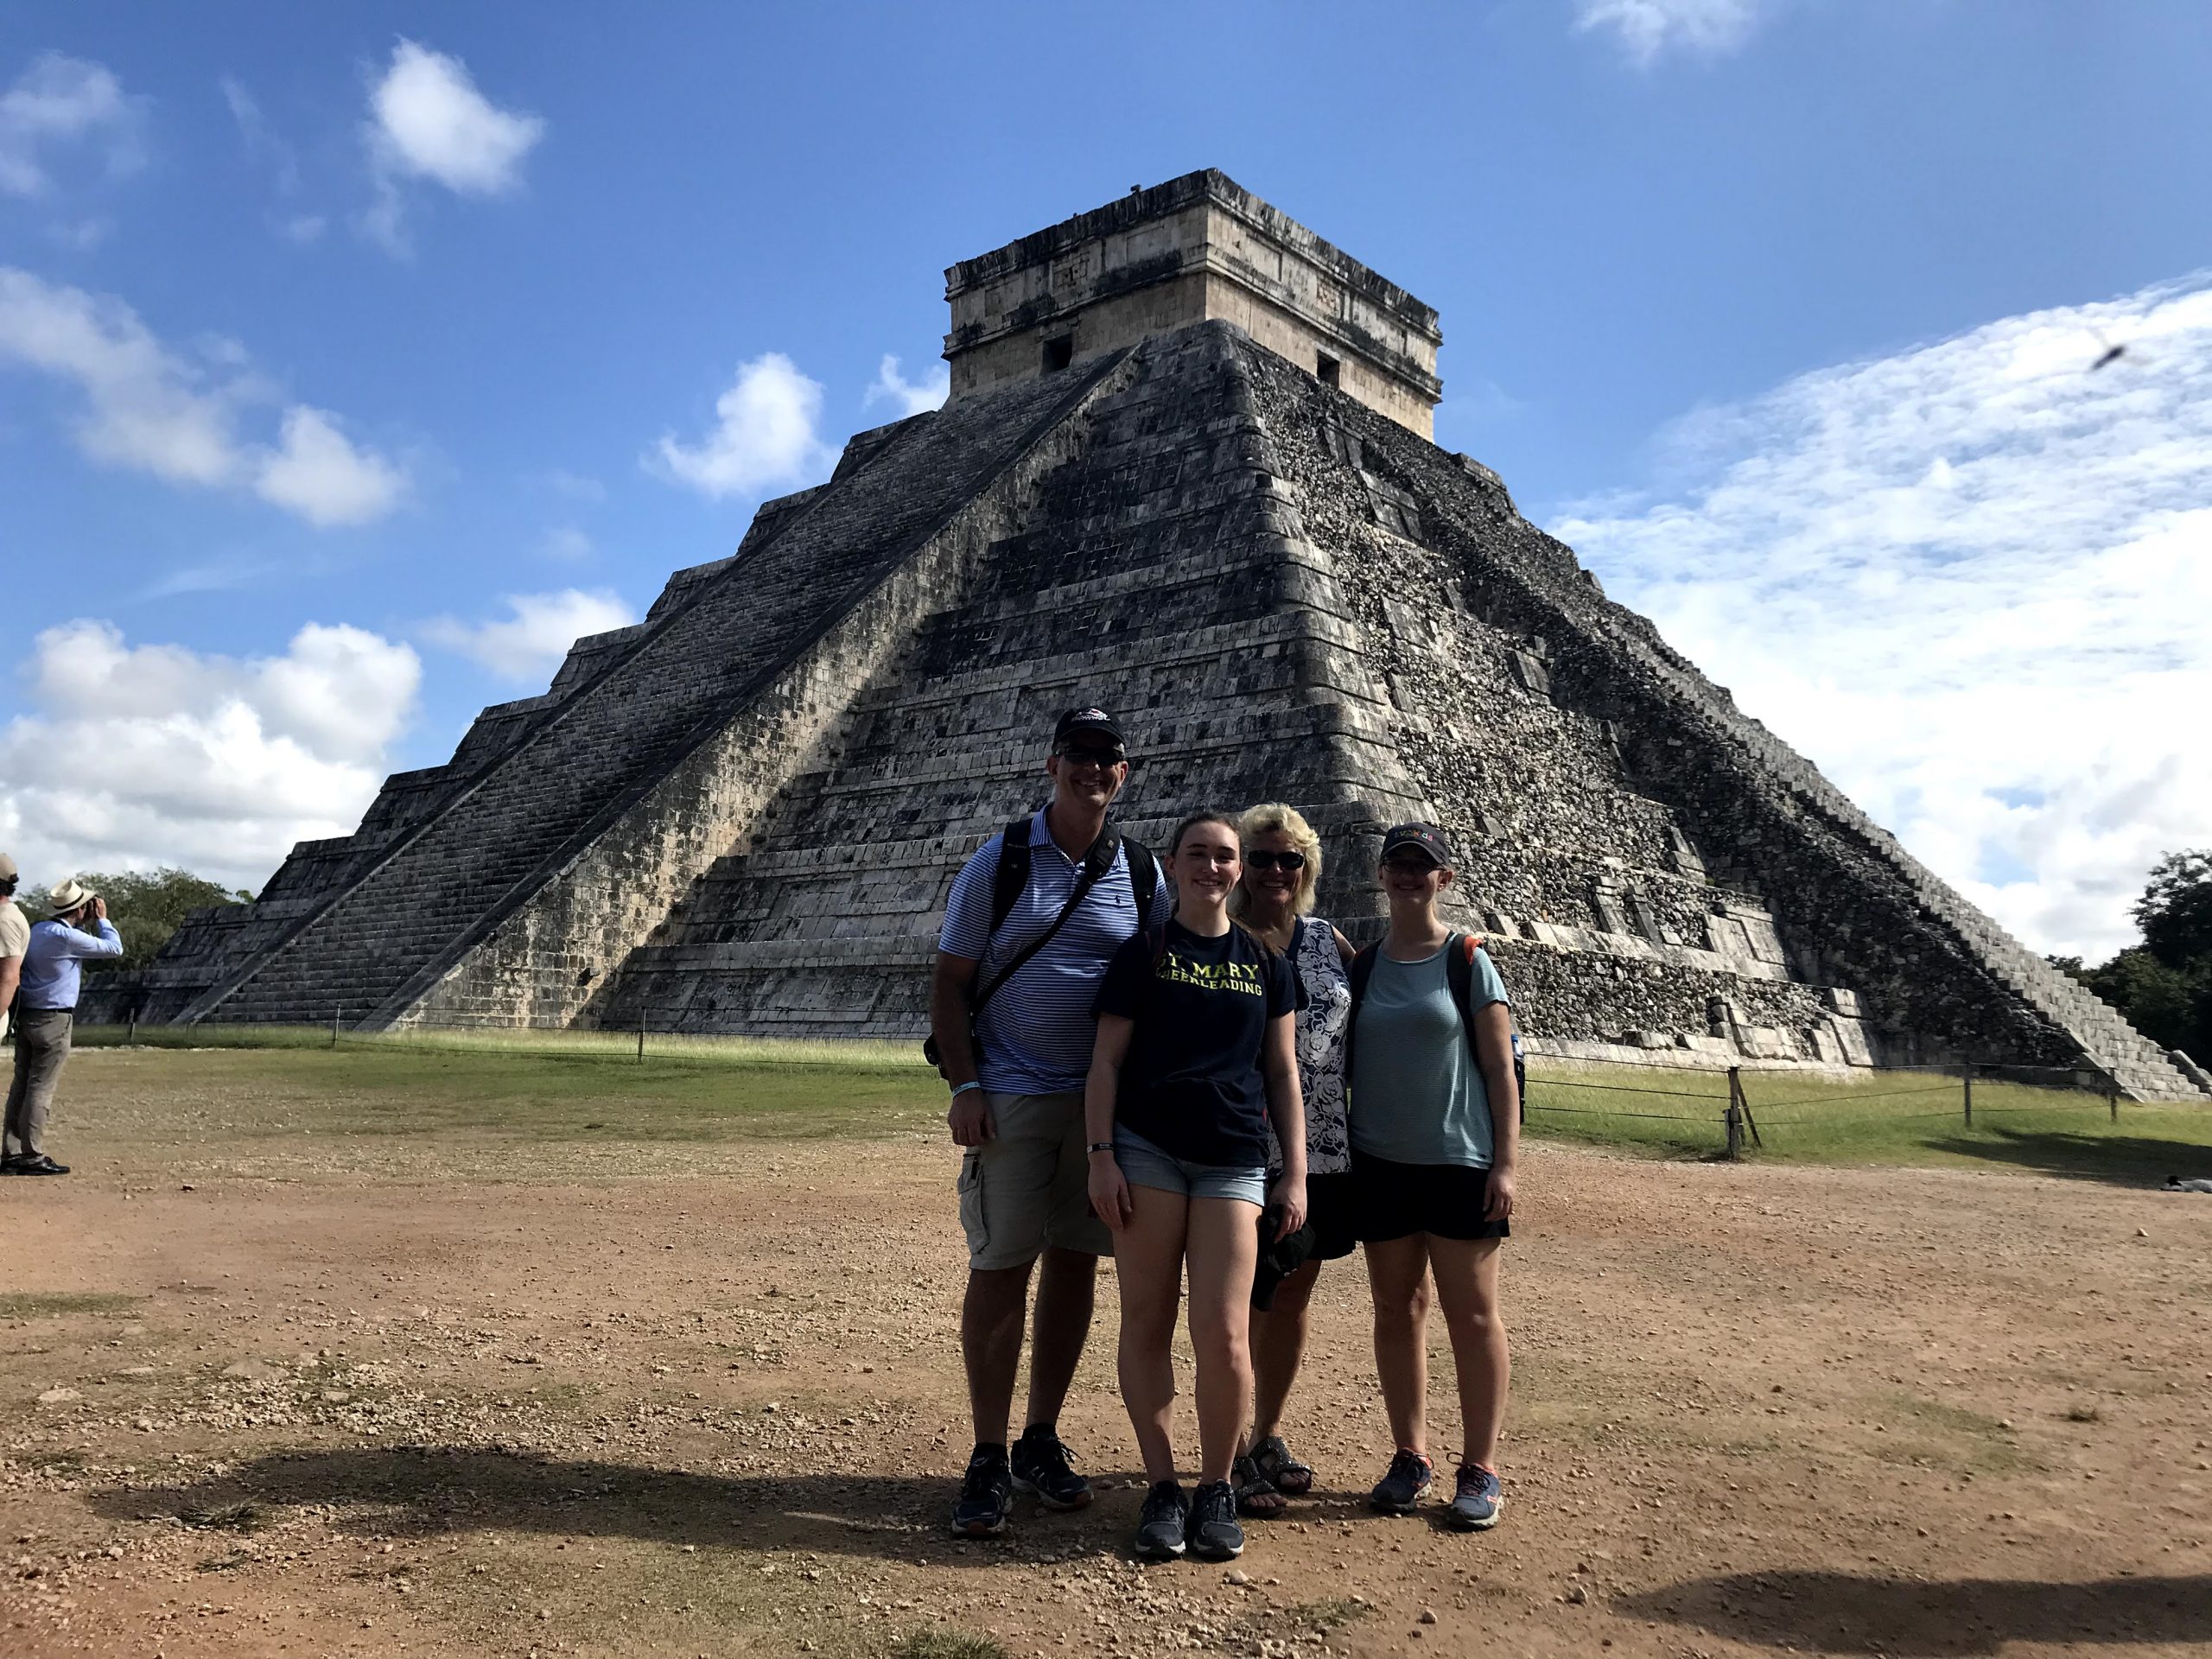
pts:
pixel 1841 1612
pixel 2136 1160
pixel 425 1492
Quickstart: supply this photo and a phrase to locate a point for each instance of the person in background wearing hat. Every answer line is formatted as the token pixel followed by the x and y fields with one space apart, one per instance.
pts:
pixel 1017 1069
pixel 1435 1136
pixel 14 936
pixel 78 929
pixel 1282 867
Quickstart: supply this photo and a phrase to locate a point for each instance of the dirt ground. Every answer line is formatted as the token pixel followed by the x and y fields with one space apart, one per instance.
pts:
pixel 706 1400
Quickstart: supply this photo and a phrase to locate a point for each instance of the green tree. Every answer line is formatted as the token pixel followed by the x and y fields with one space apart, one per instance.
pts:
pixel 148 905
pixel 2175 912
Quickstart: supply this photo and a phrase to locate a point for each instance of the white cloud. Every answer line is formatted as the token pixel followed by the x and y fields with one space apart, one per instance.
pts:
pixel 1969 581
pixel 175 415
pixel 529 644
pixel 60 101
pixel 767 434
pixel 1647 30
pixel 909 398
pixel 427 121
pixel 318 472
pixel 139 756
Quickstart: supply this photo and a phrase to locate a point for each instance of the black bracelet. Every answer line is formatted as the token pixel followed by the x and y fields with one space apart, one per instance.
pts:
pixel 1100 1145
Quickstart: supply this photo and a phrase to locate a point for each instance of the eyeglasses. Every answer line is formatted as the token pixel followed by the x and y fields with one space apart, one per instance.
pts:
pixel 1292 861
pixel 1088 757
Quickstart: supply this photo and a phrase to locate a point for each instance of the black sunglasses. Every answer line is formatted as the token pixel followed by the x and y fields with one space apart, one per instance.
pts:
pixel 1275 860
pixel 1089 757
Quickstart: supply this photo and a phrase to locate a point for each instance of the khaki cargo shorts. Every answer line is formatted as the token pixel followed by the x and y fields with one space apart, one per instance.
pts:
pixel 1029 1186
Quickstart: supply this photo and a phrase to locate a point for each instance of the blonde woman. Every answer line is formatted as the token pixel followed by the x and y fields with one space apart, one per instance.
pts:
pixel 1274 898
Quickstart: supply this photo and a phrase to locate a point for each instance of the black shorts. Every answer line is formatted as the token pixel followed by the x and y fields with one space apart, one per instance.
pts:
pixel 1398 1200
pixel 1329 1207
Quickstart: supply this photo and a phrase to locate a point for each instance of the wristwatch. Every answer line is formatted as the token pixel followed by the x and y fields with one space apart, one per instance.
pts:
pixel 1100 1145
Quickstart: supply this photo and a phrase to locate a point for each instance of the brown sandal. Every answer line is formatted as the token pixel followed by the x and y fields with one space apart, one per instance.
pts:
pixel 1256 1497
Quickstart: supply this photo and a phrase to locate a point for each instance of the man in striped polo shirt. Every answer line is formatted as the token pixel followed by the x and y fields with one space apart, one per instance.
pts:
pixel 1017 1104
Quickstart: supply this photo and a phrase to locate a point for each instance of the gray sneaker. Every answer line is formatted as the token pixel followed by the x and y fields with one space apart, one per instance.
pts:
pixel 1213 1535
pixel 1161 1523
pixel 1408 1482
pixel 1478 1501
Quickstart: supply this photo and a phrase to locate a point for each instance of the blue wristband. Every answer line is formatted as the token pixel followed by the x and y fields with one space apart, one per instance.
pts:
pixel 959 1089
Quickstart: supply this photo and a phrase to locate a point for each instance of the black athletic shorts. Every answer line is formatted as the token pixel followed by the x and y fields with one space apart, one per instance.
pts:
pixel 1328 1207
pixel 1397 1200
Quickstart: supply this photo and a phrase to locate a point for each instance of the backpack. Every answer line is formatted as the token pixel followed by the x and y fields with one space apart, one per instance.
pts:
pixel 1013 873
pixel 1007 884
pixel 1460 972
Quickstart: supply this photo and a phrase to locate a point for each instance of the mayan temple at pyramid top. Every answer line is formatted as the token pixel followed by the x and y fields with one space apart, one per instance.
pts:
pixel 1186 474
pixel 1196 249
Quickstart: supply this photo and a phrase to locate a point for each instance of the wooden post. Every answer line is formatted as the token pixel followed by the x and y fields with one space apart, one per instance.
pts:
pixel 1732 1119
pixel 2112 1100
pixel 641 1036
pixel 132 1039
pixel 1740 1102
pixel 334 1014
pixel 1966 1078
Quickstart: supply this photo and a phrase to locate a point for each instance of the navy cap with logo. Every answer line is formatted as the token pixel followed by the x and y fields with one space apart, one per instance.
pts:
pixel 1092 721
pixel 1424 838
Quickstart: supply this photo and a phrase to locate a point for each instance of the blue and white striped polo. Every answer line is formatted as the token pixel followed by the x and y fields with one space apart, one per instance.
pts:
pixel 1037 1028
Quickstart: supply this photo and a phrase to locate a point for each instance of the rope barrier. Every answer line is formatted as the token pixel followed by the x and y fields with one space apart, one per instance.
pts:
pixel 1624 1089
pixel 1590 1111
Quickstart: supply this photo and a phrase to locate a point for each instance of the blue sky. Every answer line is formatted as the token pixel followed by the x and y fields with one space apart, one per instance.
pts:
pixel 353 357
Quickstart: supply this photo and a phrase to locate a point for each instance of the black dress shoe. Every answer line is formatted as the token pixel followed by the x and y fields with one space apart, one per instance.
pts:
pixel 41 1164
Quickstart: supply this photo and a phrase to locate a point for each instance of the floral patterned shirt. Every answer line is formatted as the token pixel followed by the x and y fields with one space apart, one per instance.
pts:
pixel 1321 1025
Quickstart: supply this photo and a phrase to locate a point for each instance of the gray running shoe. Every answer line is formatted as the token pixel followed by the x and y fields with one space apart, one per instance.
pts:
pixel 1478 1501
pixel 1410 1477
pixel 1213 1533
pixel 1161 1523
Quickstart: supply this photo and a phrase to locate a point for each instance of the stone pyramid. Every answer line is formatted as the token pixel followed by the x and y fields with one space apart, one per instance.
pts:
pixel 1186 473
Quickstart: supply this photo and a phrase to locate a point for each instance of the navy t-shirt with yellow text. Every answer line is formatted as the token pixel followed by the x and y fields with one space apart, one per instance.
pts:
pixel 1191 1082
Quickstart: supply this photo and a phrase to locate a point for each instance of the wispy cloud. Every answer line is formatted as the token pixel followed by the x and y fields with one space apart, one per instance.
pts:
pixel 1648 29
pixel 767 433
pixel 175 414
pixel 428 122
pixel 218 764
pixel 1970 580
pixel 527 644
pixel 63 104
pixel 909 396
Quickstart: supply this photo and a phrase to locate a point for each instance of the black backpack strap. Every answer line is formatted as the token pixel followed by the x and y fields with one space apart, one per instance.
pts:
pixel 1155 941
pixel 1144 879
pixel 1013 873
pixel 1096 863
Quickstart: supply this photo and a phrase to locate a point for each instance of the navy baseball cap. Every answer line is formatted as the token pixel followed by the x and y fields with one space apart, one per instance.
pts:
pixel 1086 720
pixel 1425 838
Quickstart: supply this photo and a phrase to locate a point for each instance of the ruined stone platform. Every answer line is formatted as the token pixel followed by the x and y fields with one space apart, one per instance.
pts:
pixel 743 814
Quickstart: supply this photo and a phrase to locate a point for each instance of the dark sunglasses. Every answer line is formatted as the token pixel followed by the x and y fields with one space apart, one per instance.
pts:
pixel 1088 757
pixel 1413 864
pixel 1275 860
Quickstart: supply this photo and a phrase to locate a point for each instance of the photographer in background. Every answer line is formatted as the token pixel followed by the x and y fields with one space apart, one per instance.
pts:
pixel 15 939
pixel 77 930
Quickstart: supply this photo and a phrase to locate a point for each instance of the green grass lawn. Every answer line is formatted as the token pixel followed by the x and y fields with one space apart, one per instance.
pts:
pixel 1891 1117
pixel 582 1086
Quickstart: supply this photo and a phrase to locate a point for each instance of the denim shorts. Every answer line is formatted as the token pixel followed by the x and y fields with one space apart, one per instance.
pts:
pixel 1145 1165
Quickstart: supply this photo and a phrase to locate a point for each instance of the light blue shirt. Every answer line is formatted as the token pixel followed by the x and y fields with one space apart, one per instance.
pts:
pixel 50 971
pixel 1037 1029
pixel 1417 1094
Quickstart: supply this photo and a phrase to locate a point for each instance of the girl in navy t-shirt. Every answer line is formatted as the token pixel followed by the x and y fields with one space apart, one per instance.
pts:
pixel 1196 1053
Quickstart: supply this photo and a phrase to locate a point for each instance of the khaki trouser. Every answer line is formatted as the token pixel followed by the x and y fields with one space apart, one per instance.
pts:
pixel 42 1048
